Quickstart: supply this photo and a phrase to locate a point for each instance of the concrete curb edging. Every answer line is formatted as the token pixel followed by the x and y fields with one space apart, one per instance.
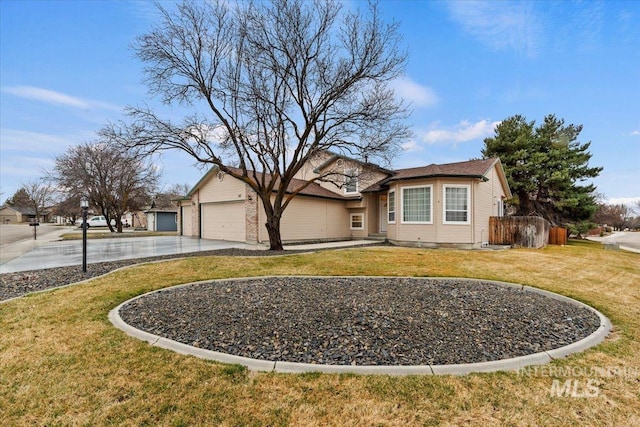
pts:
pixel 511 364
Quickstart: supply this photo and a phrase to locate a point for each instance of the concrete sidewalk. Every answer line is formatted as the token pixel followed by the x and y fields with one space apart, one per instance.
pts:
pixel 58 253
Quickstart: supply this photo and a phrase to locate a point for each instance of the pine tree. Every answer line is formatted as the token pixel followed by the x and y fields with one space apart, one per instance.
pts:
pixel 545 166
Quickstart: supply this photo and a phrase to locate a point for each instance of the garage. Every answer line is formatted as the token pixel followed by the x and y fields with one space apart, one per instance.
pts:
pixel 224 221
pixel 162 220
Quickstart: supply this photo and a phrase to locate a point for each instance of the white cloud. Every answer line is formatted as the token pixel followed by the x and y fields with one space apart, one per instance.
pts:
pixel 416 94
pixel 57 98
pixel 462 132
pixel 411 146
pixel 500 25
pixel 635 133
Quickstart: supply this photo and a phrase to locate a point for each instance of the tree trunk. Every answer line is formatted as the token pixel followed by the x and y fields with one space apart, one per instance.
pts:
pixel 525 205
pixel 273 228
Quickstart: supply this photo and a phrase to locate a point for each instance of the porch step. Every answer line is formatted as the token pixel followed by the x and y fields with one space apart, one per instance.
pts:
pixel 377 236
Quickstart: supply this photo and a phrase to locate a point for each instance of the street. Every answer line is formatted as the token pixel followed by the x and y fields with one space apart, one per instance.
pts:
pixel 626 239
pixel 11 233
pixel 17 239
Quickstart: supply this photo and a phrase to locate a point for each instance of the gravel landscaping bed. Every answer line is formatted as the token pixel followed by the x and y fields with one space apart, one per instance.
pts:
pixel 21 283
pixel 361 321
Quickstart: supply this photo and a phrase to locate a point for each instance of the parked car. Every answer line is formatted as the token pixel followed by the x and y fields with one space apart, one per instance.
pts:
pixel 98 221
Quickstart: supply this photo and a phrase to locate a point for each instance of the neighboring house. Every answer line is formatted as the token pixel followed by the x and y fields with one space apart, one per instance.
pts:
pixel 137 219
pixel 162 219
pixel 435 205
pixel 17 214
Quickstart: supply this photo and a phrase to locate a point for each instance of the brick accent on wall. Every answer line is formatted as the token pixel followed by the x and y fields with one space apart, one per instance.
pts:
pixel 195 214
pixel 251 215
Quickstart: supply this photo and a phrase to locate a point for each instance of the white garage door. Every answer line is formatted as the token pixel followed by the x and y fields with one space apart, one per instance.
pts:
pixel 224 221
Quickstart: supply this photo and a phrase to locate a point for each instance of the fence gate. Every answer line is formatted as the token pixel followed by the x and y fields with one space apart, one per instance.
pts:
pixel 558 236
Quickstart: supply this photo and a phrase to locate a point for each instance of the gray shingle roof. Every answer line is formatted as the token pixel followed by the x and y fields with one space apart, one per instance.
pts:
pixel 467 169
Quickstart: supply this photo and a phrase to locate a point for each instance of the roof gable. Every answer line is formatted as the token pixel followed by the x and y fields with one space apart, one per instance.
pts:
pixel 312 189
pixel 469 169
pixel 333 158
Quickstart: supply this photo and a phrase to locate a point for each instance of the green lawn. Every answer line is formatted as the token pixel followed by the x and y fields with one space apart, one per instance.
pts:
pixel 62 362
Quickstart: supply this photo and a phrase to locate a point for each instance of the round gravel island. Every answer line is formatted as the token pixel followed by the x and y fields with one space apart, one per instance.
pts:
pixel 362 320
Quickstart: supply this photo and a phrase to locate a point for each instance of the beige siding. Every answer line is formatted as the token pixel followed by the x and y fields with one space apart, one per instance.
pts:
pixel 186 220
pixel 454 233
pixel 224 221
pixel 484 203
pixel 308 218
pixel 229 189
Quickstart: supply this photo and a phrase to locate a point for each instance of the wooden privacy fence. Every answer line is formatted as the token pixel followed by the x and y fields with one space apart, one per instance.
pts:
pixel 558 236
pixel 520 231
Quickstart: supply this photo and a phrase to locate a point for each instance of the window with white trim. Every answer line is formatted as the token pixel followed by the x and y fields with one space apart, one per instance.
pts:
pixel 391 207
pixel 351 181
pixel 417 205
pixel 357 221
pixel 456 204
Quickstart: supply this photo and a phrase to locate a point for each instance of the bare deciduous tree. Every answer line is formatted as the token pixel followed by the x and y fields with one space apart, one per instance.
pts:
pixel 617 216
pixel 114 181
pixel 280 82
pixel 178 190
pixel 69 208
pixel 36 195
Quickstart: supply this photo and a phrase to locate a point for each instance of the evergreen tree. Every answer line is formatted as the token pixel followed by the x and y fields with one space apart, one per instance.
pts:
pixel 545 166
pixel 20 199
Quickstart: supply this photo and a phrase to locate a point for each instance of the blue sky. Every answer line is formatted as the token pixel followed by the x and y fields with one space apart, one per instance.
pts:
pixel 66 69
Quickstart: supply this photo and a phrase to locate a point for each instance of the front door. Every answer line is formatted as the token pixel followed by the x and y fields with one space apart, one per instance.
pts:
pixel 383 213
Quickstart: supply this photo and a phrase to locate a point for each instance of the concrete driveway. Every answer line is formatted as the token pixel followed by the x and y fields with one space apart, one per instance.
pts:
pixel 47 254
pixel 627 240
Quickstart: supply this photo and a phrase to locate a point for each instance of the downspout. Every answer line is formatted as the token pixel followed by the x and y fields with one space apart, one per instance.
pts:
pixel 181 219
pixel 200 219
pixel 472 209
